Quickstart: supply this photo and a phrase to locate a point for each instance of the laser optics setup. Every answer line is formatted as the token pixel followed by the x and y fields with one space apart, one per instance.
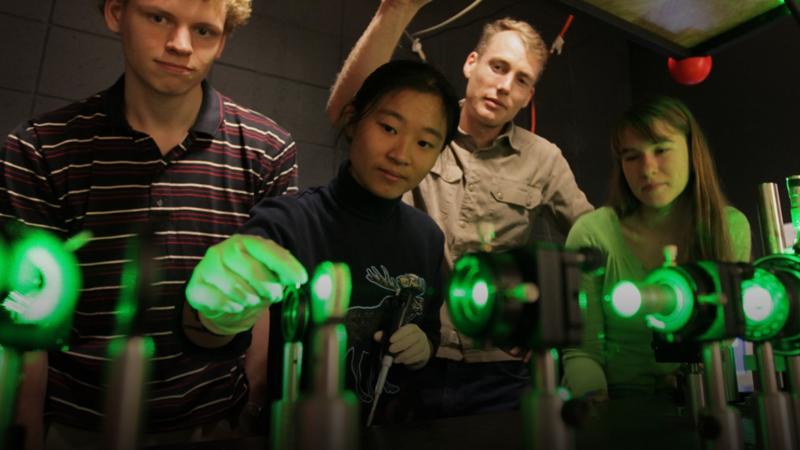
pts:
pixel 708 302
pixel 528 298
pixel 327 415
pixel 39 285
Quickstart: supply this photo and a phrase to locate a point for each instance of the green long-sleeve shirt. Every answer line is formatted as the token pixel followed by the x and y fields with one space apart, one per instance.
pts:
pixel 616 352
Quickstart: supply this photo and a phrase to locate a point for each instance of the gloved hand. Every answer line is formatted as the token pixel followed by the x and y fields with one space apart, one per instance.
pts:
pixel 410 345
pixel 238 279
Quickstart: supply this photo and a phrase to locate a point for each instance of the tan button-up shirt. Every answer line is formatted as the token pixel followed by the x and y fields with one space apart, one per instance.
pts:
pixel 472 193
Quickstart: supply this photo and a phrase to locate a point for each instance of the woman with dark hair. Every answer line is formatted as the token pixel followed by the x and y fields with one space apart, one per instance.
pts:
pixel 664 191
pixel 397 124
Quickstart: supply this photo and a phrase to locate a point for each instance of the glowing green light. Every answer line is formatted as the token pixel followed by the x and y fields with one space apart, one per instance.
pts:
pixel 323 286
pixel 677 282
pixel 117 346
pixel 766 305
pixel 295 314
pixel 793 187
pixel 521 292
pixel 290 315
pixel 626 300
pixel 656 324
pixel 563 393
pixel 480 293
pixel 330 292
pixel 665 298
pixel 43 280
pixel 472 296
pixel 3 265
pixel 128 296
pixel 757 303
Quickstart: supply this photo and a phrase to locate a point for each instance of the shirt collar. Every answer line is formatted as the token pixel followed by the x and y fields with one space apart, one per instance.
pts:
pixel 209 119
pixel 508 138
pixel 515 138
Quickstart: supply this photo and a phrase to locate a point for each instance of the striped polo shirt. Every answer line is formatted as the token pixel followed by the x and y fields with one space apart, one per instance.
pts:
pixel 84 168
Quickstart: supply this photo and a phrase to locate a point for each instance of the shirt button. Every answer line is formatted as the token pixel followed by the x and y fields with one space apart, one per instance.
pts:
pixel 500 195
pixel 462 224
pixel 159 202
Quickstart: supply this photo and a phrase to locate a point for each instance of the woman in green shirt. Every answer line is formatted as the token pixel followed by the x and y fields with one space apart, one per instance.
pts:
pixel 664 191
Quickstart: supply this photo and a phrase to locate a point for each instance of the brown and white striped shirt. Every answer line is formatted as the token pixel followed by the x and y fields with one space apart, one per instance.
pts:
pixel 83 168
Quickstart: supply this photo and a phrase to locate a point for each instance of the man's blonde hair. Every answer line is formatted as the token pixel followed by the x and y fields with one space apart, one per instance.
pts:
pixel 530 37
pixel 237 12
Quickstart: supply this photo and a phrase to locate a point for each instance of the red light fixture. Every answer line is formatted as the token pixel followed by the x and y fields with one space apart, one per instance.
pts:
pixel 689 71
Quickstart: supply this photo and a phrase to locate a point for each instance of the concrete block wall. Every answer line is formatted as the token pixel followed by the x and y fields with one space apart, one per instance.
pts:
pixel 283 62
pixel 749 108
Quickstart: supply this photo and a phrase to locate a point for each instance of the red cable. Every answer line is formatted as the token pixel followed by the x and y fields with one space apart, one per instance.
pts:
pixel 566 26
pixel 561 35
pixel 533 117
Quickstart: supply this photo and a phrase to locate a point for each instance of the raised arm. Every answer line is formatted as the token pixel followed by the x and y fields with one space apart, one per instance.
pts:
pixel 374 48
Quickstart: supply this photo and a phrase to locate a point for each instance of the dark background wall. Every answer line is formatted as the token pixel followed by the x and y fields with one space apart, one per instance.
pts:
pixel 749 107
pixel 283 62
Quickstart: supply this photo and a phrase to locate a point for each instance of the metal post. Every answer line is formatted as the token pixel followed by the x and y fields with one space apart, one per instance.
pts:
pixel 130 371
pixel 793 186
pixel 793 371
pixel 544 429
pixel 729 371
pixel 727 431
pixel 696 396
pixel 283 409
pixel 776 430
pixel 327 419
pixel 10 369
pixel 769 214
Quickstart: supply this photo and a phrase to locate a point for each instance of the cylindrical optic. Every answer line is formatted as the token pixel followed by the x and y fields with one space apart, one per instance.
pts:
pixel 769 210
pixel 44 280
pixel 656 301
pixel 472 295
pixel 669 299
pixel 330 292
pixel 766 306
pixel 793 186
pixel 626 299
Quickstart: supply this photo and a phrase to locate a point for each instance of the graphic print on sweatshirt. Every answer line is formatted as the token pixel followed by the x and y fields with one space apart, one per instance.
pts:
pixel 363 353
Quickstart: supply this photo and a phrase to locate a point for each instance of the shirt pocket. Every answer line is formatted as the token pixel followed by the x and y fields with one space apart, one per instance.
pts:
pixel 448 173
pixel 442 190
pixel 512 210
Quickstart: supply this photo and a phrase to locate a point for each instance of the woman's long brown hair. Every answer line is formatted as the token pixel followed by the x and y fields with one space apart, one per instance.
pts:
pixel 710 238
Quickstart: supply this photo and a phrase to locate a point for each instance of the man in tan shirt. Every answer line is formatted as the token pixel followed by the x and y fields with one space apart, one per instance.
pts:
pixel 490 183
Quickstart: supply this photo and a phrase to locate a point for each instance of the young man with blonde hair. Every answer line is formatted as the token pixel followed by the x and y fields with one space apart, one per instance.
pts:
pixel 532 40
pixel 160 147
pixel 237 12
pixel 494 176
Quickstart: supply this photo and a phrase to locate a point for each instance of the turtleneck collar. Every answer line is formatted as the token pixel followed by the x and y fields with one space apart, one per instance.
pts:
pixel 358 200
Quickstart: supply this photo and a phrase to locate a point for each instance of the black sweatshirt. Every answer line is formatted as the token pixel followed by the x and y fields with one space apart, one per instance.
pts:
pixel 379 240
